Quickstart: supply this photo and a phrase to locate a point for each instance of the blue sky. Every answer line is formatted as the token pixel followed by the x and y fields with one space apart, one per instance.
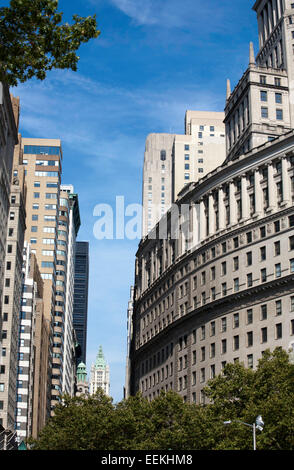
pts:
pixel 153 60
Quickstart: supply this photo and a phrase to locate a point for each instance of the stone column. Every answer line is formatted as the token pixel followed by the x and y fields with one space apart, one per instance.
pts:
pixel 211 215
pixel 221 209
pixel 244 198
pixel 202 221
pixel 233 204
pixel 272 194
pixel 285 182
pixel 257 194
pixel 194 224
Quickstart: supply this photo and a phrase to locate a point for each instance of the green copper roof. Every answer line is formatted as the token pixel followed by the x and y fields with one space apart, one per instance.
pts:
pixel 100 360
pixel 82 372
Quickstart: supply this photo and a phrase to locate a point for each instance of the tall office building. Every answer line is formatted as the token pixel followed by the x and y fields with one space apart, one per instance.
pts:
pixel 172 161
pixel 80 313
pixel 29 416
pixel 46 213
pixel 100 374
pixel 228 295
pixel 8 127
pixel 129 342
pixel 12 290
pixel 70 341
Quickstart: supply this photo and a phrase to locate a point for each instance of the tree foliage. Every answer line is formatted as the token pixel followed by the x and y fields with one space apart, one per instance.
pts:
pixel 33 39
pixel 166 422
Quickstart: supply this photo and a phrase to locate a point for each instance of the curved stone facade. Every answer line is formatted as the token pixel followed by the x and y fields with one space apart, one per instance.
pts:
pixel 214 279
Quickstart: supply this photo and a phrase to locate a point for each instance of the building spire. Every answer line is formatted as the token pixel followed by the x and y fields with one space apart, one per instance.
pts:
pixel 228 88
pixel 251 54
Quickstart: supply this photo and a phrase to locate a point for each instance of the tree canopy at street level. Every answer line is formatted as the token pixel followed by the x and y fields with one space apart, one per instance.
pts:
pixel 34 40
pixel 167 422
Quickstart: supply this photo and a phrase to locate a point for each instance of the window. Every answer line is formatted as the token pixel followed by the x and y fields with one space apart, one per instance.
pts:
pixel 292 265
pixel 249 280
pixel 279 114
pixel 212 328
pixel 262 79
pixel 162 155
pixel 36 195
pixel 249 258
pixel 278 307
pixel 264 112
pixel 277 247
pixel 277 81
pixel 224 346
pixel 34 228
pixel 236 342
pixel 224 268
pixel 249 237
pixel 250 361
pixel 236 320
pixel 279 331
pixel 263 275
pixel 278 97
pixel 291 243
pixel 249 316
pixel 263 95
pixel 236 263
pixel 278 271
pixel 263 312
pixel 224 325
pixel 187 147
pixel 212 350
pixel 262 253
pixel 236 284
pixel 262 232
pixel 249 338
pixel 224 288
pixel 263 335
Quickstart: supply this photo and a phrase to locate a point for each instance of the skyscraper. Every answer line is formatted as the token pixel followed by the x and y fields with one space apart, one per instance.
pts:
pixel 69 348
pixel 172 161
pixel 12 290
pixel 228 296
pixel 31 397
pixel 46 213
pixel 100 374
pixel 80 312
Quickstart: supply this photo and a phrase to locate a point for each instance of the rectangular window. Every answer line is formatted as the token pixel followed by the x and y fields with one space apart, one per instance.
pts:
pixel 278 97
pixel 249 280
pixel 236 320
pixel 278 270
pixel 263 95
pixel 264 112
pixel 236 342
pixel 278 307
pixel 262 253
pixel 277 248
pixel 279 331
pixel 263 275
pixel 263 335
pixel 249 258
pixel 250 338
pixel 279 114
